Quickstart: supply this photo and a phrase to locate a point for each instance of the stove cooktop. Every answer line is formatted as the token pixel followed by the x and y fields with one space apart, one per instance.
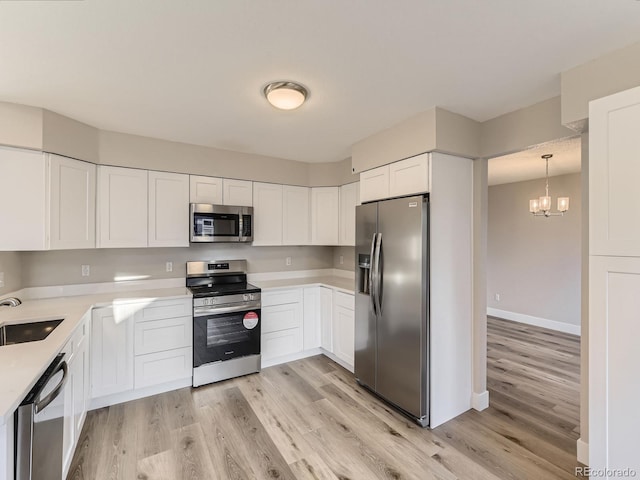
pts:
pixel 224 289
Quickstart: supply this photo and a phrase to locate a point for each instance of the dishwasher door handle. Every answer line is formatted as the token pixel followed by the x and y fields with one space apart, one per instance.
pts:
pixel 40 404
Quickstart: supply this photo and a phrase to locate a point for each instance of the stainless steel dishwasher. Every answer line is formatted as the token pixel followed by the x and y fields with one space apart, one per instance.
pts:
pixel 39 426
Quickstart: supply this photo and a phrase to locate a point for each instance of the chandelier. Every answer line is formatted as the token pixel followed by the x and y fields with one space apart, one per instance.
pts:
pixel 541 207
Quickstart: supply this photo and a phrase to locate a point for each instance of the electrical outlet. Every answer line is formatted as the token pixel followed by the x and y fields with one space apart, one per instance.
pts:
pixel 287 261
pixel 497 297
pixel 169 266
pixel 341 259
pixel 86 270
pixel 1 279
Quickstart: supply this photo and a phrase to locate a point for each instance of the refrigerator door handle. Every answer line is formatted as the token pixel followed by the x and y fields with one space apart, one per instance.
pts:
pixel 378 289
pixel 371 274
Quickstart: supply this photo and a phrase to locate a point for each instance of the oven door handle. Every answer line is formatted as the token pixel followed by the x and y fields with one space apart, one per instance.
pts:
pixel 213 310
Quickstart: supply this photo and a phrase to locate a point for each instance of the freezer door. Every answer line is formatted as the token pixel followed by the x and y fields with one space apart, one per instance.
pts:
pixel 365 328
pixel 402 297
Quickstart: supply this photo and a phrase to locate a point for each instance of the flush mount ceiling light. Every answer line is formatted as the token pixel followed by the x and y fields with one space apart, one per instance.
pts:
pixel 542 206
pixel 285 95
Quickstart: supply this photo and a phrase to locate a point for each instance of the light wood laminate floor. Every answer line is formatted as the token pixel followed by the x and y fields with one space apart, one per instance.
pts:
pixel 310 420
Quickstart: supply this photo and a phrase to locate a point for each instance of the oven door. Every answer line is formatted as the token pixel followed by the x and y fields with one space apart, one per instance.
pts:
pixel 223 333
pixel 215 223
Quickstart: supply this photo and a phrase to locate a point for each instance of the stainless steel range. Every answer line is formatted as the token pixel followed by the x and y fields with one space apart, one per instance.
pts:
pixel 226 321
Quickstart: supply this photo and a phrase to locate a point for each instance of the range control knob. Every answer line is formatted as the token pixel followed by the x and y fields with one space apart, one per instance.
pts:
pixel 245 297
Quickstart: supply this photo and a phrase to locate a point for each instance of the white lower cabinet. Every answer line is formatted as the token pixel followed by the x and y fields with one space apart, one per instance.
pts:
pixel 76 392
pixel 312 325
pixel 326 315
pixel 343 323
pixel 139 345
pixel 282 323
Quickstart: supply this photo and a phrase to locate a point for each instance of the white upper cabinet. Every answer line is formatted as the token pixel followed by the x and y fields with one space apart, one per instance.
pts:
pixel 296 229
pixel 237 192
pixel 374 184
pixel 614 175
pixel 406 177
pixel 410 176
pixel 267 214
pixel 349 198
pixel 168 209
pixel 122 207
pixel 325 215
pixel 205 190
pixel 58 194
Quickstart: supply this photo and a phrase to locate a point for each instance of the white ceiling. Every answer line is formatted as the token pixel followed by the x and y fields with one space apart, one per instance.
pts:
pixel 529 164
pixel 192 71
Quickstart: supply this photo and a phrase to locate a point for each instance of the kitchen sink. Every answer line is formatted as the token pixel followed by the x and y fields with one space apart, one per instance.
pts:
pixel 27 332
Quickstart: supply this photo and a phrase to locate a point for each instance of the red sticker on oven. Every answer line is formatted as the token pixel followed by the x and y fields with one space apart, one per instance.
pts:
pixel 250 320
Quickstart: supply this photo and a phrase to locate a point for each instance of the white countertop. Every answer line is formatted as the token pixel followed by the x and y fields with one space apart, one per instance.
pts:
pixel 22 365
pixel 346 285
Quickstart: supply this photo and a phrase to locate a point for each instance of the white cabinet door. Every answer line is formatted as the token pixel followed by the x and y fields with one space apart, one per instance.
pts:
pixel 325 215
pixel 410 176
pixel 72 203
pixel 122 207
pixel 161 367
pixel 205 190
pixel 112 350
pixel 168 209
pixel 312 326
pixel 326 316
pixel 374 184
pixel 296 228
pixel 614 175
pixel 343 327
pixel 349 198
pixel 23 197
pixel 237 192
pixel 267 214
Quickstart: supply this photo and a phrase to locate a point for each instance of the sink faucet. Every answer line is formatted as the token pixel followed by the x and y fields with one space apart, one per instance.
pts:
pixel 10 302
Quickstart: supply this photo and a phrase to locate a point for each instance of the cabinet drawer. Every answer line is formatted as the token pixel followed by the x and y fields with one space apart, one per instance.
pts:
pixel 178 307
pixel 281 317
pixel 281 297
pixel 344 300
pixel 162 367
pixel 159 335
pixel 285 342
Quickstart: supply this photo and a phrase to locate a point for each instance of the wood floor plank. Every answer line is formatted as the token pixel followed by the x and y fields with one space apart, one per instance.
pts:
pixel 162 466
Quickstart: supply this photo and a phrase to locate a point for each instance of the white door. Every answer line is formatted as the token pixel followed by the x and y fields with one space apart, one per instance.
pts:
pixel 614 175
pixel 111 350
pixel 343 334
pixel 296 229
pixel 325 215
pixel 374 184
pixel 205 190
pixel 23 200
pixel 72 203
pixel 122 207
pixel 326 316
pixel 349 198
pixel 237 192
pixel 614 281
pixel 267 214
pixel 410 176
pixel 168 209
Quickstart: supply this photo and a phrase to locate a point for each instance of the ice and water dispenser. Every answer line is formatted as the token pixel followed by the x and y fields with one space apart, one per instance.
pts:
pixel 364 267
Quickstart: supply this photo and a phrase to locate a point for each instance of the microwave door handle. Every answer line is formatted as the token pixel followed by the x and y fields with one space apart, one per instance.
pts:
pixel 371 274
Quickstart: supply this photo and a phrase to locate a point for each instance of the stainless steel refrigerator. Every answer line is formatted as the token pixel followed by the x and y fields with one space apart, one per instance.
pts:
pixel 392 303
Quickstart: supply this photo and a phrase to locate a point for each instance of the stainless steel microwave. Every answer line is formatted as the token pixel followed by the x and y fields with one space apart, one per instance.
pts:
pixel 221 223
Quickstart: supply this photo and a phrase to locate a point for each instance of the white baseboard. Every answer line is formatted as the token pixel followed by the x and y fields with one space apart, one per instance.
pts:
pixel 338 360
pixel 290 358
pixel 480 401
pixel 535 321
pixel 116 398
pixel 583 451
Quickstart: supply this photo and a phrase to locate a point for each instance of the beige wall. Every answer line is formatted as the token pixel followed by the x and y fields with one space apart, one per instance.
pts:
pixel 68 137
pixel 524 128
pixel 535 263
pixel 63 267
pixel 608 74
pixel 20 126
pixel 331 174
pixel 11 266
pixel 348 255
